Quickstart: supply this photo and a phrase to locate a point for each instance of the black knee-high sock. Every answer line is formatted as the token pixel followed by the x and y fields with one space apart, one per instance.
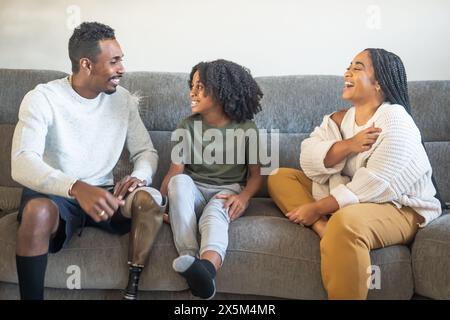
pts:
pixel 31 274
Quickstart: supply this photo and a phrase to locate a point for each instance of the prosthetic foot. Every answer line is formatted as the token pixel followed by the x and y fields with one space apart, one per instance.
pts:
pixel 147 218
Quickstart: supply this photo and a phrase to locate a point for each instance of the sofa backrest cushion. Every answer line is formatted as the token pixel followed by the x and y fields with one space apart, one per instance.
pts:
pixel 430 106
pixel 14 84
pixel 292 104
pixel 6 134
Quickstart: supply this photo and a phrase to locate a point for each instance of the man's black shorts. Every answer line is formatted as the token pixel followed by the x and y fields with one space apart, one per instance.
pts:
pixel 71 218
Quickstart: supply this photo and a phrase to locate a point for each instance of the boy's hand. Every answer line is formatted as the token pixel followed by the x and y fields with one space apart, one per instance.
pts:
pixel 235 203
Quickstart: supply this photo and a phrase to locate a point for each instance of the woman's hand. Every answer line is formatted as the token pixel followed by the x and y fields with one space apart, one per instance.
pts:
pixel 305 215
pixel 237 203
pixel 364 140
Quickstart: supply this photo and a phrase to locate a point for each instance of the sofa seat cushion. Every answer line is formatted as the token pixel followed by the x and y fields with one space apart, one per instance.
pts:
pixel 101 257
pixel 431 259
pixel 262 207
pixel 267 255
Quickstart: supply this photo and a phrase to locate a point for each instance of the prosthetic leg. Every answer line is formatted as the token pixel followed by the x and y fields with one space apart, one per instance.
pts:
pixel 146 220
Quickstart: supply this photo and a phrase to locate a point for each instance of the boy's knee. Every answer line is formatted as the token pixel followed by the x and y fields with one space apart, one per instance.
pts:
pixel 180 181
pixel 215 210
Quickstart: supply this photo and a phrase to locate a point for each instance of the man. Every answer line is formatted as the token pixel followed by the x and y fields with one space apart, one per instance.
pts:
pixel 69 137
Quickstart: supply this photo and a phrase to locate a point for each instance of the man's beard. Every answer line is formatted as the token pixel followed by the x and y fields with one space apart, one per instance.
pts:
pixel 109 92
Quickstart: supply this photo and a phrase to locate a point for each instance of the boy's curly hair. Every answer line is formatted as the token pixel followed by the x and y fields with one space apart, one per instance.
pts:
pixel 232 86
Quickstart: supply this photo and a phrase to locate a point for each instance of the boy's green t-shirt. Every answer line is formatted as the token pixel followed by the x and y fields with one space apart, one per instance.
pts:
pixel 217 156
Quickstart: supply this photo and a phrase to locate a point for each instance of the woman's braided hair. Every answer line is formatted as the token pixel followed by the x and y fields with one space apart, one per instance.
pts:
pixel 232 86
pixel 391 76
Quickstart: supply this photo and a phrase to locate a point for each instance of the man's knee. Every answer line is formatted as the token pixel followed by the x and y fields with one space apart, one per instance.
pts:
pixel 142 199
pixel 147 194
pixel 144 203
pixel 40 216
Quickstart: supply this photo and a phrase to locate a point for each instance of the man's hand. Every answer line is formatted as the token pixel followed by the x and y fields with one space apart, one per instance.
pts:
pixel 126 185
pixel 364 140
pixel 236 204
pixel 98 203
pixel 305 215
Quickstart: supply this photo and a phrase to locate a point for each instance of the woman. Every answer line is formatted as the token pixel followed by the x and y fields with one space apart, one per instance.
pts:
pixel 367 170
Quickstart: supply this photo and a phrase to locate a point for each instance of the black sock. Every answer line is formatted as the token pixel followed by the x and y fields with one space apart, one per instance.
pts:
pixel 31 274
pixel 200 278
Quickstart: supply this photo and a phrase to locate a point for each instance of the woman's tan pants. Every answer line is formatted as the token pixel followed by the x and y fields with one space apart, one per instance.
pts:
pixel 350 234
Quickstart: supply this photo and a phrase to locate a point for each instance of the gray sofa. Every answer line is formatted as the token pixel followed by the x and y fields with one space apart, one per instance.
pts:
pixel 267 255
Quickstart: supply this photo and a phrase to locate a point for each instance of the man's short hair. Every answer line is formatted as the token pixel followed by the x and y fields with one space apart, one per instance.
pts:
pixel 84 42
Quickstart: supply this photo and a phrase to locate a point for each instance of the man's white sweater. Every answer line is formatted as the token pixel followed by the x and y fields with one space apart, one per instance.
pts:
pixel 396 169
pixel 62 137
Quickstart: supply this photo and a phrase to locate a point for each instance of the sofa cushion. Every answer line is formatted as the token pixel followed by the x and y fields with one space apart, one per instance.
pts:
pixel 14 84
pixel 6 134
pixel 431 259
pixel 429 106
pixel 267 255
pixel 164 97
pixel 439 153
pixel 9 199
pixel 10 191
pixel 101 257
pixel 297 104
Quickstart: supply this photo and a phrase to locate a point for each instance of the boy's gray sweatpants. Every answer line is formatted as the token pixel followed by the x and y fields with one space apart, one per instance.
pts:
pixel 193 207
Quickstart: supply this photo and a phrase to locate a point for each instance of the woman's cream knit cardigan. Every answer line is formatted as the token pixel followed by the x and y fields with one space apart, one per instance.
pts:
pixel 396 168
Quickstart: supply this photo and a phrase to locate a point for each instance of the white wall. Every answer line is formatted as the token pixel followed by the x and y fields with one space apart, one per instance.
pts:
pixel 268 36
